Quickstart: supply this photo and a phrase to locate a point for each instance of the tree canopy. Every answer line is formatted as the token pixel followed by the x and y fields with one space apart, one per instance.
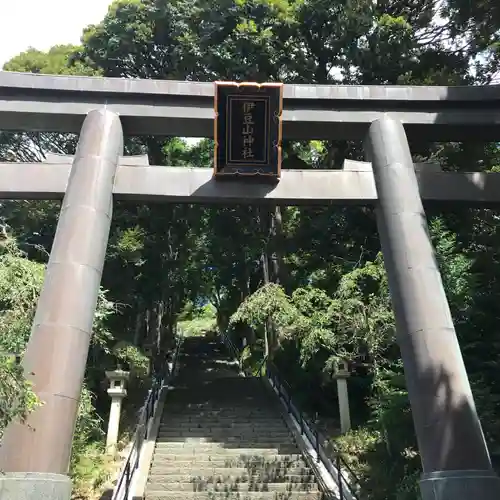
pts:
pixel 304 285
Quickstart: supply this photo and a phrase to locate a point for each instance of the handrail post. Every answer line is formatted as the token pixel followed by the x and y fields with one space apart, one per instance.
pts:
pixel 316 436
pixel 139 441
pixel 127 477
pixel 339 477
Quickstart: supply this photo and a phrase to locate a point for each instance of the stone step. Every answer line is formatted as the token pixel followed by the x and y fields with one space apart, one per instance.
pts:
pixel 230 380
pixel 230 415
pixel 211 395
pixel 235 403
pixel 223 423
pixel 214 432
pixel 229 441
pixel 191 393
pixel 223 475
pixel 163 448
pixel 221 448
pixel 219 407
pixel 231 385
pixel 190 400
pixel 243 416
pixel 224 495
pixel 214 407
pixel 241 402
pixel 268 463
pixel 191 396
pixel 295 470
pixel 199 485
pixel 230 402
pixel 228 434
pixel 222 437
pixel 183 421
pixel 254 432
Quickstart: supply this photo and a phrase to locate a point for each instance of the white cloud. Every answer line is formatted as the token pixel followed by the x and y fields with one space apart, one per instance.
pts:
pixel 44 23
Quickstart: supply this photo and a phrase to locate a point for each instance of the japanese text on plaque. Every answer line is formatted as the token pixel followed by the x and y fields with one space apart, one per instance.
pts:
pixel 248 123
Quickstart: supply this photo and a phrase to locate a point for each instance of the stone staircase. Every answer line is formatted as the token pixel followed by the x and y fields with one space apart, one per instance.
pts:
pixel 222 436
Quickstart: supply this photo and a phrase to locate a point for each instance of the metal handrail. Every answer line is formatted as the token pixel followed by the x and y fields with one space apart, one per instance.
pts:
pixel 122 489
pixel 307 428
pixel 235 352
pixel 313 434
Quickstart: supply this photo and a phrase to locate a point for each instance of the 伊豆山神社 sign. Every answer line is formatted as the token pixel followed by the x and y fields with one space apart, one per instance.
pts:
pixel 248 129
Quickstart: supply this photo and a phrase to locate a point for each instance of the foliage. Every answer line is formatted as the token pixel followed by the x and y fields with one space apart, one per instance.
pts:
pixel 20 281
pixel 59 60
pixel 306 284
pixel 268 301
pixel 20 284
pixel 357 323
pixel 17 399
pixel 194 321
pixel 88 425
pixel 128 354
pixel 90 466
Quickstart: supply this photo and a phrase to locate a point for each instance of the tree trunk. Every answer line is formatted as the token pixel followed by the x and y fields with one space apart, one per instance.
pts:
pixel 267 334
pixel 139 332
pixel 277 244
pixel 272 224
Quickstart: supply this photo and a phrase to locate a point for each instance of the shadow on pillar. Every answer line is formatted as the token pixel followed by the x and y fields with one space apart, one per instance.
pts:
pixel 451 442
pixel 460 466
pixel 35 456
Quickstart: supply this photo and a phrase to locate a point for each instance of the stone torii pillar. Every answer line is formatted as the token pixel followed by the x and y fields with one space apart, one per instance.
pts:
pixel 35 456
pixel 455 459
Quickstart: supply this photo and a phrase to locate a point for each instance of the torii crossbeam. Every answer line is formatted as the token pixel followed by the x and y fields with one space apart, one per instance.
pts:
pixel 455 458
pixel 354 185
pixel 185 109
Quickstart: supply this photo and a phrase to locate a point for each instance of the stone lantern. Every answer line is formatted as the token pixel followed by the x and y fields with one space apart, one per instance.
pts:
pixel 148 351
pixel 117 391
pixel 341 374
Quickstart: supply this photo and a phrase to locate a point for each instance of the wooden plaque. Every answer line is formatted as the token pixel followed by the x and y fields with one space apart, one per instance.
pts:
pixel 248 129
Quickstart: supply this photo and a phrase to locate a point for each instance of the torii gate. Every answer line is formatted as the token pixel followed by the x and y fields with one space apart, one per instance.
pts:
pixel 455 459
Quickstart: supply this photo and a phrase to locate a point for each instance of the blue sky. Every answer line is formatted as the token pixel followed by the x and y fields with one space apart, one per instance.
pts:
pixel 44 23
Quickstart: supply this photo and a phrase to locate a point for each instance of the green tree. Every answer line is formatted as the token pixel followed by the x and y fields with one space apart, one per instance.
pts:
pixel 315 272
